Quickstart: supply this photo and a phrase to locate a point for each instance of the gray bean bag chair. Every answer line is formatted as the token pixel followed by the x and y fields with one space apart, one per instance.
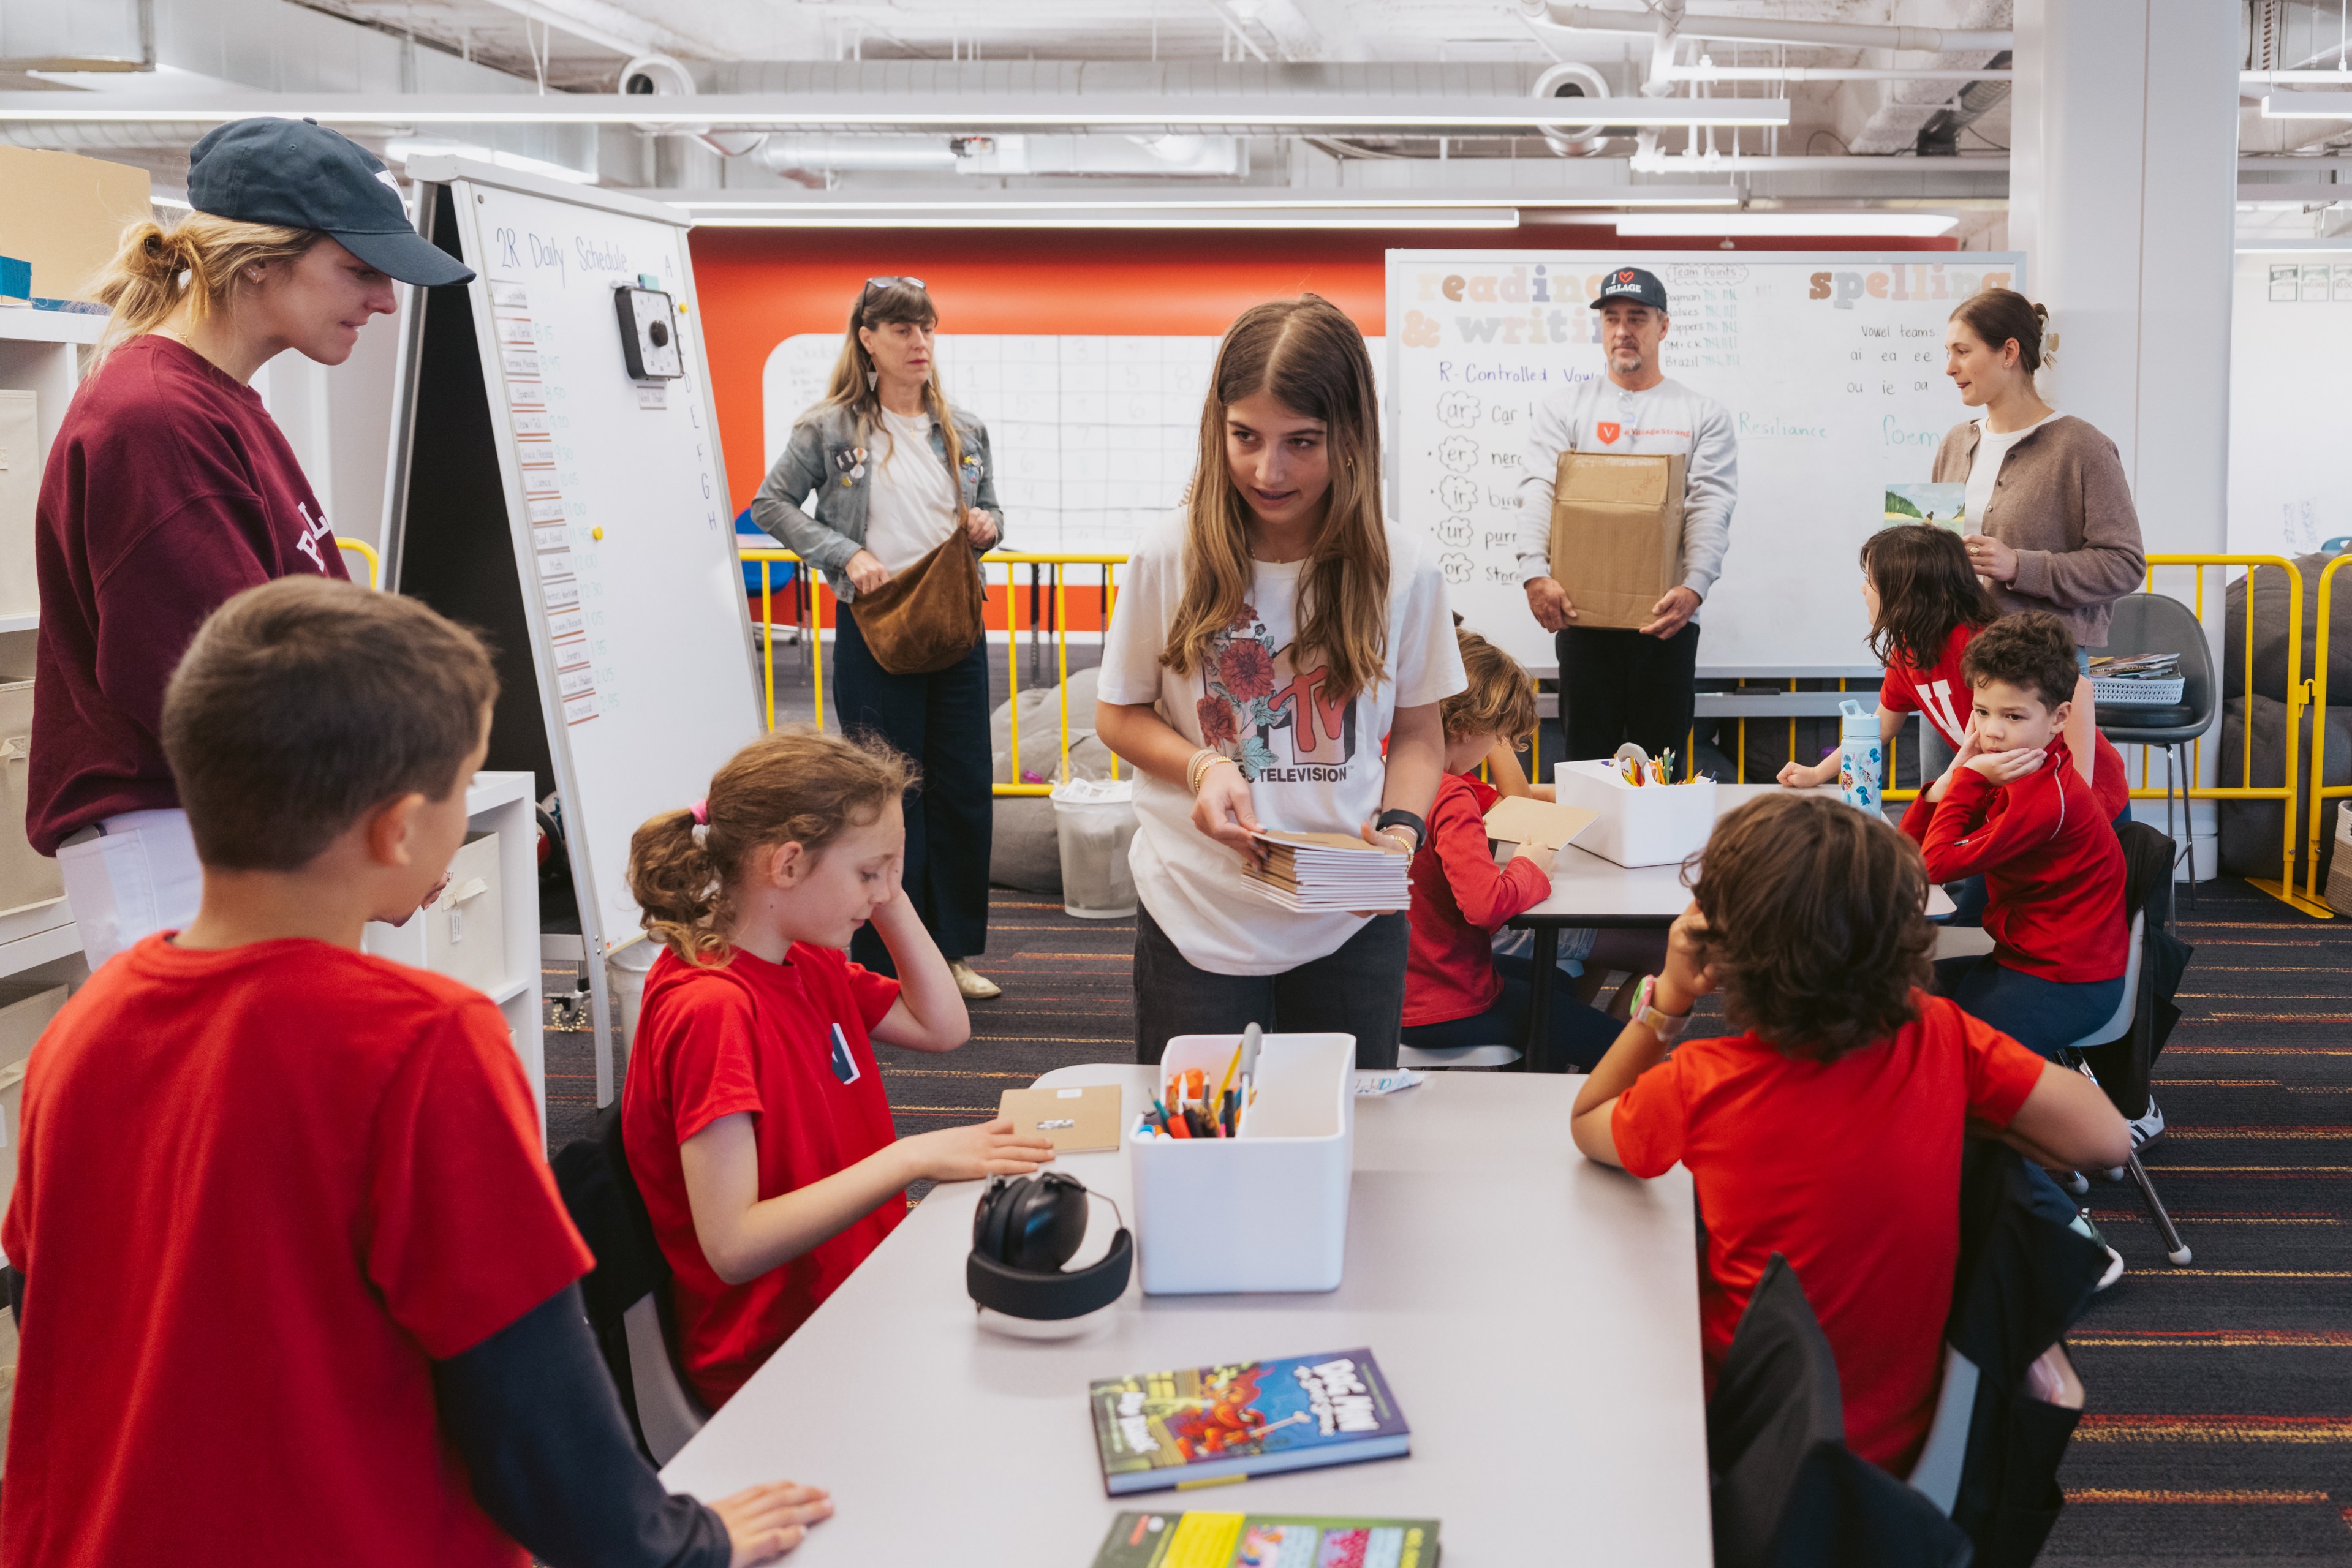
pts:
pixel 1024 852
pixel 2249 828
pixel 2271 628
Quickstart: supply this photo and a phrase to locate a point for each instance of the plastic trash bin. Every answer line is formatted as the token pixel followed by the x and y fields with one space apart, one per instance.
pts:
pixel 1094 819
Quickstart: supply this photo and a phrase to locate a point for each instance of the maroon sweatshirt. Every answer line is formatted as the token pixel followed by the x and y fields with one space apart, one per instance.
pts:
pixel 168 491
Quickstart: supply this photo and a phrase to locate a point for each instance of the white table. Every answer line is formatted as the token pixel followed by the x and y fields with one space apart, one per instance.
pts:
pixel 1588 891
pixel 1536 1314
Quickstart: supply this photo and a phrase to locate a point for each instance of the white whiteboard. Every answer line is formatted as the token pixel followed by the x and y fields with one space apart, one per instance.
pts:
pixel 1093 437
pixel 2290 391
pixel 1831 367
pixel 626 551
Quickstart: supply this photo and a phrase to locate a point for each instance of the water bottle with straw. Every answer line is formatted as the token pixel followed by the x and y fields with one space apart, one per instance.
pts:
pixel 1861 756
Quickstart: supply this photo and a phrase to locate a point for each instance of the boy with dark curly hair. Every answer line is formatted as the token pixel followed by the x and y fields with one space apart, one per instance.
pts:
pixel 1829 1130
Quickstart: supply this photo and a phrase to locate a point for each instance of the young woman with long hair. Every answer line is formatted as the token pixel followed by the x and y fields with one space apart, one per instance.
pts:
pixel 1269 638
pixel 898 471
pixel 169 489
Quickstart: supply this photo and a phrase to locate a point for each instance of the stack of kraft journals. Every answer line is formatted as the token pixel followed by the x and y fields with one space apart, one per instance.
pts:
pixel 1320 872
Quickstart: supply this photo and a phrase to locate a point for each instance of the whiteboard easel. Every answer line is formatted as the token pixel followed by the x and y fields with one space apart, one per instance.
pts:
pixel 579 516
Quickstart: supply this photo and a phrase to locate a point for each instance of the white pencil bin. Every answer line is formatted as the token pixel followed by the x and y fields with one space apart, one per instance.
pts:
pixel 1265 1212
pixel 1637 824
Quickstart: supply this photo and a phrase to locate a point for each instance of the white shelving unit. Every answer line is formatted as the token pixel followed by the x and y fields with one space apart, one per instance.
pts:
pixel 40 353
pixel 502 803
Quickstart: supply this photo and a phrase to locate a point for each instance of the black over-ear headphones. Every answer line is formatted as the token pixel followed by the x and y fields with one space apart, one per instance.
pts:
pixel 1023 1232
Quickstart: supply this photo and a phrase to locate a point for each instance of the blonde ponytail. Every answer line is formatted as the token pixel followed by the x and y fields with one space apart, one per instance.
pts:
pixel 197 262
pixel 796 785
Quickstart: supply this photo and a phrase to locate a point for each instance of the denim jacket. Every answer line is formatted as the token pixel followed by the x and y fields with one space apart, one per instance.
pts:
pixel 822 456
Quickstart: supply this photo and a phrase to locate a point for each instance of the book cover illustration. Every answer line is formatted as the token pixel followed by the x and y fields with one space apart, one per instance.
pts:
pixel 1266 1541
pixel 1946 505
pixel 1163 1430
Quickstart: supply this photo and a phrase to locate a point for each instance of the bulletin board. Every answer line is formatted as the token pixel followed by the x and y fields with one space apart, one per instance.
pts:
pixel 2290 384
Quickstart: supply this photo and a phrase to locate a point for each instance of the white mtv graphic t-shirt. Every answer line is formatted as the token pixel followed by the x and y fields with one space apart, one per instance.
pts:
pixel 1315 765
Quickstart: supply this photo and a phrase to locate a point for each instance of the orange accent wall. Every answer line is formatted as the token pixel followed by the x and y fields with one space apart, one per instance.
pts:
pixel 758 287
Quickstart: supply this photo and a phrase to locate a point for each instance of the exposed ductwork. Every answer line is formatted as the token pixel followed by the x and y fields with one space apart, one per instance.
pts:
pixel 1194 156
pixel 1766 31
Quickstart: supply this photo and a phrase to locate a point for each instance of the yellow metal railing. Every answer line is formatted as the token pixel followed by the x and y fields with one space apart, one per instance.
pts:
pixel 1012 561
pixel 366 552
pixel 2321 791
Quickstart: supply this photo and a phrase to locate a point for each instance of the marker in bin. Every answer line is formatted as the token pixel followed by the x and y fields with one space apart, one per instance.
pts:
pixel 1185 1109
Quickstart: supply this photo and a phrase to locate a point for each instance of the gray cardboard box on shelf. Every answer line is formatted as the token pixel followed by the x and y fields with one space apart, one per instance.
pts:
pixel 26 878
pixel 66 213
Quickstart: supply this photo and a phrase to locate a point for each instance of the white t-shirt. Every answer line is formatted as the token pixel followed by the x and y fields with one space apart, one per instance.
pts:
pixel 912 508
pixel 1984 468
pixel 1313 767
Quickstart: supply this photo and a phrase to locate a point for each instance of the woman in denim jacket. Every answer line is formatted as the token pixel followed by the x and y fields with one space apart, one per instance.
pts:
pixel 895 472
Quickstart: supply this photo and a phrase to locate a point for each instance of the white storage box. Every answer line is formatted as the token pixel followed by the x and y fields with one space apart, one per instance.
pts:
pixel 21 453
pixel 1637 824
pixel 461 934
pixel 25 1012
pixel 25 878
pixel 1264 1211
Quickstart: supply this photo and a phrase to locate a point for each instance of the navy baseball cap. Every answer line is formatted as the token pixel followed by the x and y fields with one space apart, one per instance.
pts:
pixel 299 175
pixel 1631 283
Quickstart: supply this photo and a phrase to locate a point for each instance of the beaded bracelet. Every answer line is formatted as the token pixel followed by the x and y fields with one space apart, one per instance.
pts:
pixel 1197 769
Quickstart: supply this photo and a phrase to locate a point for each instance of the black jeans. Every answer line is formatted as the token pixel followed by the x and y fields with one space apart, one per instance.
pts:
pixel 940 722
pixel 1580 1033
pixel 1620 685
pixel 1357 990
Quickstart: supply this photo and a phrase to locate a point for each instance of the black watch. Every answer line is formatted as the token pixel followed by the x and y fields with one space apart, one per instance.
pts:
pixel 1394 818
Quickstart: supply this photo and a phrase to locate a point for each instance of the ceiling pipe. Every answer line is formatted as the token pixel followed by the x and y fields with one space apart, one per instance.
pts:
pixel 1705 72
pixel 1720 163
pixel 1764 31
pixel 1571 139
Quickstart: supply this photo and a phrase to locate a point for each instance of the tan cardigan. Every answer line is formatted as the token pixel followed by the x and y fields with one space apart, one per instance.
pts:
pixel 2062 503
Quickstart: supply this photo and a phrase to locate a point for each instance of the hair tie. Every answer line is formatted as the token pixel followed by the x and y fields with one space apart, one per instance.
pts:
pixel 702 835
pixel 700 812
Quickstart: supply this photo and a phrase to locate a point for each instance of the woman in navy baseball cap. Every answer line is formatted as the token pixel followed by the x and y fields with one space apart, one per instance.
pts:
pixel 170 488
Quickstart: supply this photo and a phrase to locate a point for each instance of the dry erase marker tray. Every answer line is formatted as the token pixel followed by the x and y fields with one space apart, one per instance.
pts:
pixel 1264 1210
pixel 1636 824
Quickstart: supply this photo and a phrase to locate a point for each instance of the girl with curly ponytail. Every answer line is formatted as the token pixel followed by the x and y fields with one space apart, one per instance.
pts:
pixel 754 1113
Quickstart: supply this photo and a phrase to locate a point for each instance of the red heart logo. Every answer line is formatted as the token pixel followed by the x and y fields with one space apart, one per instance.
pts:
pixel 1624 278
pixel 1608 432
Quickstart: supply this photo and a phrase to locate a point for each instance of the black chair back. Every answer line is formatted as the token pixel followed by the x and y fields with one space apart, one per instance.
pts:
pixel 592 1174
pixel 2158 623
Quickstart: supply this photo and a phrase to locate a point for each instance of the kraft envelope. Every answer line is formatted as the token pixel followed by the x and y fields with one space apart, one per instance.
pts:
pixel 1524 820
pixel 1077 1121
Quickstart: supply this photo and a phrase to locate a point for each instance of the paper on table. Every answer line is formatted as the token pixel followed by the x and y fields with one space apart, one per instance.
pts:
pixel 1524 820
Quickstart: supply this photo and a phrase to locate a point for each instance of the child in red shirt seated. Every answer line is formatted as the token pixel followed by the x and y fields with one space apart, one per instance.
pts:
pixel 2014 809
pixel 1926 606
pixel 1829 1130
pixel 293 1281
pixel 753 1114
pixel 1456 991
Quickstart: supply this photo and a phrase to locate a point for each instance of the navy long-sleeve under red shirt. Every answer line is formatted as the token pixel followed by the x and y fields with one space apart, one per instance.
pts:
pixel 1459 896
pixel 2054 870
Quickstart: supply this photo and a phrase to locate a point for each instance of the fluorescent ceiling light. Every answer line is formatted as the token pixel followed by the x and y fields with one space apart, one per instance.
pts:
pixel 401 149
pixel 2307 106
pixel 1485 112
pixel 1910 225
pixel 988 216
pixel 1151 202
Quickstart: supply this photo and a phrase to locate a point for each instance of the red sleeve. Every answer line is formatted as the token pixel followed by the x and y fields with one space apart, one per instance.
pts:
pixel 1651 1121
pixel 871 993
pixel 1966 840
pixel 464 1229
pixel 1895 691
pixel 1918 815
pixel 2000 1072
pixel 710 1049
pixel 1487 895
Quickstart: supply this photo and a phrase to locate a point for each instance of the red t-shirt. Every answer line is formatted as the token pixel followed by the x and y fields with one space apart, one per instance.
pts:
pixel 1942 697
pixel 1459 896
pixel 169 490
pixel 1851 1169
pixel 259 1192
pixel 756 1037
pixel 2054 870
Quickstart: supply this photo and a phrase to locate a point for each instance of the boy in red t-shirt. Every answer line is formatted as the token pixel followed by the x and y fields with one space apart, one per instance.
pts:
pixel 291 1275
pixel 753 1114
pixel 2013 808
pixel 1456 991
pixel 1829 1130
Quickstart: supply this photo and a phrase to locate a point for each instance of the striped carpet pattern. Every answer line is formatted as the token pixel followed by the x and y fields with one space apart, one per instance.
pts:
pixel 2220 1427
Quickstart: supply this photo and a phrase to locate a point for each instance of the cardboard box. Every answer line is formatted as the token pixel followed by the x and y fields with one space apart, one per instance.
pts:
pixel 1637 824
pixel 66 213
pixel 25 1012
pixel 1616 534
pixel 26 877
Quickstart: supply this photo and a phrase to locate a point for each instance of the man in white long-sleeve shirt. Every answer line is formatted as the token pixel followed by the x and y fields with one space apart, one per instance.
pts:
pixel 1618 686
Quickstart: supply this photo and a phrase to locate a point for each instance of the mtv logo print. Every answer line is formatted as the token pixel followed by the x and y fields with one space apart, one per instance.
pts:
pixel 1270 715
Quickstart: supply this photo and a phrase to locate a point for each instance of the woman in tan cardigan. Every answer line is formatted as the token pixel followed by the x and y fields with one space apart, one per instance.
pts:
pixel 2050 513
